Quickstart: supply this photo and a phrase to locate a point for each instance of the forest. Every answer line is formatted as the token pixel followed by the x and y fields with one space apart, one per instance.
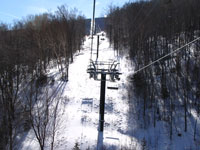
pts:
pixel 151 108
pixel 169 90
pixel 27 49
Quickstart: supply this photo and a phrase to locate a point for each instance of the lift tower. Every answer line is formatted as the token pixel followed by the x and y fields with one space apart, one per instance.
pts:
pixel 92 28
pixel 99 70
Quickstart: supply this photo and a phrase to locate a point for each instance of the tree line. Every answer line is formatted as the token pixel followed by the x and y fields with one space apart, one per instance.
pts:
pixel 148 30
pixel 26 50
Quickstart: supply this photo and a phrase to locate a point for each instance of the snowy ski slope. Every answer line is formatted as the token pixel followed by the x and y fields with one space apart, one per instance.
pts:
pixel 79 113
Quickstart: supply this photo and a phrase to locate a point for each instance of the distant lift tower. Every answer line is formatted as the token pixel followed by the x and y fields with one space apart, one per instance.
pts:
pixel 99 70
pixel 92 31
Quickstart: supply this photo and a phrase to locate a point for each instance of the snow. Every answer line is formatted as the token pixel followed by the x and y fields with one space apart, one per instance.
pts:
pixel 79 114
pixel 79 111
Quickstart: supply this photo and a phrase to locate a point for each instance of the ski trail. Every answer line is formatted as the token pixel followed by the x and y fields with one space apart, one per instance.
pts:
pixel 79 114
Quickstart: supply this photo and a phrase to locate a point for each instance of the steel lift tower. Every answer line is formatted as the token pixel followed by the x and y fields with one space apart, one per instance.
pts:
pixel 101 71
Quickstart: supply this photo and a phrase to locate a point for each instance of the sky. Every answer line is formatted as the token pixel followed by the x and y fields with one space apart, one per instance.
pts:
pixel 14 10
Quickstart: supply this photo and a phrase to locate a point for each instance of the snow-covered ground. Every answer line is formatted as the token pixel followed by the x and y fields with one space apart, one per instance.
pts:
pixel 78 113
pixel 79 109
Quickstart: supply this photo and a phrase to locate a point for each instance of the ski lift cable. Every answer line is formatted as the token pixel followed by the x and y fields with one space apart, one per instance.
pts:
pixel 148 14
pixel 175 51
pixel 139 12
pixel 92 27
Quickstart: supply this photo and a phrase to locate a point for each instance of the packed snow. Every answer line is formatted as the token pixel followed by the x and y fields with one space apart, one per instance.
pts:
pixel 79 108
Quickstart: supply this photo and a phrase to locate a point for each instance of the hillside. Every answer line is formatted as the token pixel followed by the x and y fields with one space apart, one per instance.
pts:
pixel 148 65
pixel 162 39
pixel 100 25
pixel 78 111
pixel 78 107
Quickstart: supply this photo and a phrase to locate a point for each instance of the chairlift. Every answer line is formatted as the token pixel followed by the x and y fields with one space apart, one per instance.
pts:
pixel 112 88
